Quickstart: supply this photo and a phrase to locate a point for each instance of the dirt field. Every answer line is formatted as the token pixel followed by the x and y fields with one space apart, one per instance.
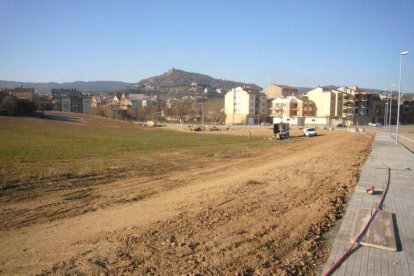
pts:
pixel 260 211
pixel 406 136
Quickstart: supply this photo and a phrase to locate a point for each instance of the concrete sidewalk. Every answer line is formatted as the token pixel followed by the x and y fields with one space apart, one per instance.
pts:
pixel 399 200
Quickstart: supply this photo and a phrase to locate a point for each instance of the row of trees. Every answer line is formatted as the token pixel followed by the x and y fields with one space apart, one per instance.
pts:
pixel 178 112
pixel 10 105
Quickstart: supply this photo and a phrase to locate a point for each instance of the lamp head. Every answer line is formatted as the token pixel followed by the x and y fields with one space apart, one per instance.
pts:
pixel 404 53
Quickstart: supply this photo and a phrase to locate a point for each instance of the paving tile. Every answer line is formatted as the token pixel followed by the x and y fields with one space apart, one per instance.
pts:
pixel 398 200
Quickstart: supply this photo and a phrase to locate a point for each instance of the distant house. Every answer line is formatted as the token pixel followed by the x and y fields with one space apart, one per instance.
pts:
pixel 25 94
pixel 274 91
pixel 125 102
pixel 115 100
pixel 196 87
pixel 98 101
pixel 136 100
pixel 245 105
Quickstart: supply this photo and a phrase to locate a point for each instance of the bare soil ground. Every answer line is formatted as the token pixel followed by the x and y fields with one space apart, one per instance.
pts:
pixel 406 136
pixel 263 212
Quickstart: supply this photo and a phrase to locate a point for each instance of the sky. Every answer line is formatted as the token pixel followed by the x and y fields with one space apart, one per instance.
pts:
pixel 299 43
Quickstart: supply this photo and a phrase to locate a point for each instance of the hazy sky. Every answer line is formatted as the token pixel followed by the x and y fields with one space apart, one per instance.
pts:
pixel 301 43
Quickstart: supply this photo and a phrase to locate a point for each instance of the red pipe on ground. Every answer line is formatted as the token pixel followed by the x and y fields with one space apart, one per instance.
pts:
pixel 355 241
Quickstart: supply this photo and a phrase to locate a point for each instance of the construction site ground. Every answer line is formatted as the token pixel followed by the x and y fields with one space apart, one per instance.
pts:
pixel 265 211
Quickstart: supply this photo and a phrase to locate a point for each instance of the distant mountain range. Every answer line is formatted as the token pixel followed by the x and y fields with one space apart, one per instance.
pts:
pixel 171 79
pixel 97 86
pixel 179 78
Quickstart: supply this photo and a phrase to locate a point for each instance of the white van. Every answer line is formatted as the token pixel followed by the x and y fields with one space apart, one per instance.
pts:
pixel 308 132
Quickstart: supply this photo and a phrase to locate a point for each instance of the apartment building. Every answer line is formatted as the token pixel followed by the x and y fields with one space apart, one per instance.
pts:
pixel 274 91
pixel 362 107
pixel 306 107
pixel 71 100
pixel 291 110
pixel 245 105
pixel 328 104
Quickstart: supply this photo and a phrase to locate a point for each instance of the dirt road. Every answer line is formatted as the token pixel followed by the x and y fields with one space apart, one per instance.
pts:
pixel 263 212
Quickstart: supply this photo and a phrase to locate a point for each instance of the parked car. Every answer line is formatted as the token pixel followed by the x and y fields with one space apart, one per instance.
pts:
pixel 308 132
pixel 340 125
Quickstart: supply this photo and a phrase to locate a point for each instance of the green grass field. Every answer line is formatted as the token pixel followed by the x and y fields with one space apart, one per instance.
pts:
pixel 41 149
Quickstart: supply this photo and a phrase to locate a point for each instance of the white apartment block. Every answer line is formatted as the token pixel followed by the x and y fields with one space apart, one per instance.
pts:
pixel 246 106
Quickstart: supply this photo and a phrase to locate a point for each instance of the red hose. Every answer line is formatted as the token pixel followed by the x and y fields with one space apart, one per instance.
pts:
pixel 348 251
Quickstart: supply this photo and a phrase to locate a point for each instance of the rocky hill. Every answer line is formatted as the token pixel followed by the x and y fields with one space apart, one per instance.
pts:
pixel 179 78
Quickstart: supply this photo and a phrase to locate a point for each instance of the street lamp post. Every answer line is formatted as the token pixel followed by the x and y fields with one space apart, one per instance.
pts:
pixel 390 110
pixel 399 98
pixel 388 114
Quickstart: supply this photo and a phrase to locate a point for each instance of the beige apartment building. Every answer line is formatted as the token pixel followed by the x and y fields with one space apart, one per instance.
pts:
pixel 329 105
pixel 246 106
pixel 292 110
pixel 274 91
pixel 349 105
pixel 306 107
pixel 362 107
